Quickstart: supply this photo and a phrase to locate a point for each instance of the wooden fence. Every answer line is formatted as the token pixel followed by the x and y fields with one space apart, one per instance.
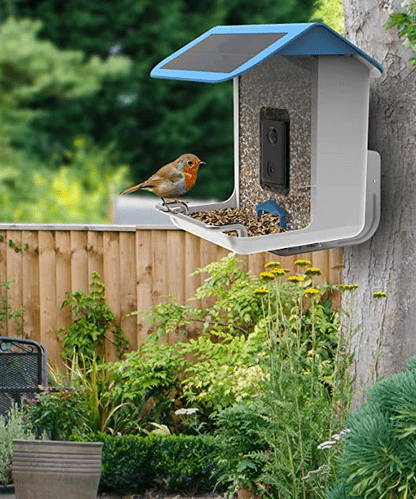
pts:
pixel 138 268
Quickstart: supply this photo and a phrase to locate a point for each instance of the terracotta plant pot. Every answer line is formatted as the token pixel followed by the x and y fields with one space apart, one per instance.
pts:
pixel 45 469
pixel 246 493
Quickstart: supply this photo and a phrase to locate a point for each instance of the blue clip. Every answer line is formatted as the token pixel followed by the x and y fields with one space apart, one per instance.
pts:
pixel 272 207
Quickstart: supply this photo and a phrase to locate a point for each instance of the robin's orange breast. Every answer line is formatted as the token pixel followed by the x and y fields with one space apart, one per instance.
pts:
pixel 190 174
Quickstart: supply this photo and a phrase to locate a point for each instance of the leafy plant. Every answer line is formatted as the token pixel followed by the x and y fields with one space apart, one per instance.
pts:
pixel 133 463
pixel 150 379
pixel 405 22
pixel 270 442
pixel 6 313
pixel 378 458
pixel 93 320
pixel 12 427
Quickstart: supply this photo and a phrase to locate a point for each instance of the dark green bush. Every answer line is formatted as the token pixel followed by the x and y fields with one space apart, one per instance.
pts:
pixel 379 456
pixel 126 463
pixel 185 462
pixel 133 463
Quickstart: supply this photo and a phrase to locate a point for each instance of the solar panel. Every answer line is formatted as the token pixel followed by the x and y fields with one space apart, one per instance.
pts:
pixel 222 53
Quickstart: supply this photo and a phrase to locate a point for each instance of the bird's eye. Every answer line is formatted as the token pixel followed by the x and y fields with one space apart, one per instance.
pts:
pixel 190 163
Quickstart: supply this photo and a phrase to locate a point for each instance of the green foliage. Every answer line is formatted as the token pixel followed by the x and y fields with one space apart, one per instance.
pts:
pixel 150 121
pixel 133 463
pixel 57 414
pixel 6 313
pixel 126 463
pixel 229 350
pixel 378 459
pixel 405 22
pixel 79 190
pixel 149 379
pixel 330 12
pixel 93 319
pixel 185 462
pixel 33 69
pixel 12 427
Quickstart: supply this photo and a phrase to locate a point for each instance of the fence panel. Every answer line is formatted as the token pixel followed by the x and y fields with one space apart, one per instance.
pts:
pixel 138 268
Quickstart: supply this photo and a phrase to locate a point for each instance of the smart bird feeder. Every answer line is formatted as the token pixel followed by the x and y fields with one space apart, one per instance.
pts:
pixel 301 98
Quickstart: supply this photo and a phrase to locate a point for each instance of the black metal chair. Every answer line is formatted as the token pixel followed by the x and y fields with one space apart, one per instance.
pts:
pixel 23 367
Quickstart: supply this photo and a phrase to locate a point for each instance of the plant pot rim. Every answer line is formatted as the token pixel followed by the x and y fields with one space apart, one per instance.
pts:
pixel 58 442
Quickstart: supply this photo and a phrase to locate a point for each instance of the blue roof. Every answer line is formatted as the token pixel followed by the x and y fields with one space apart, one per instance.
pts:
pixel 225 52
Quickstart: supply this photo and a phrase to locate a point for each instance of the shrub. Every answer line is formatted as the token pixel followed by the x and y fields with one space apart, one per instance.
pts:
pixel 134 463
pixel 378 459
pixel 11 428
pixel 185 462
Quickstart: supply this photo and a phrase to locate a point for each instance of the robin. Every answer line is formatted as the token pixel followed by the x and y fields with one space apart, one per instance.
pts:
pixel 174 179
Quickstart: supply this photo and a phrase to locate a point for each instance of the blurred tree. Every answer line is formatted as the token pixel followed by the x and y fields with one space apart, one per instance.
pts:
pixel 151 122
pixel 330 12
pixel 29 190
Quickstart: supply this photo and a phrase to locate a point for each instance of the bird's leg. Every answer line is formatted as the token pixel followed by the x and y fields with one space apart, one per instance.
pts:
pixel 165 204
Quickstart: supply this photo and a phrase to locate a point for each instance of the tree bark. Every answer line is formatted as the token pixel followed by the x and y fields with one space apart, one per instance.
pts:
pixel 388 261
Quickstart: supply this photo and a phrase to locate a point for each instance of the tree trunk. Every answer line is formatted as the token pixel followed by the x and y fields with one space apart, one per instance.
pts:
pixel 388 261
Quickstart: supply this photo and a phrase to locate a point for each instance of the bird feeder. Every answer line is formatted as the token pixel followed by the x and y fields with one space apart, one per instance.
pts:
pixel 301 98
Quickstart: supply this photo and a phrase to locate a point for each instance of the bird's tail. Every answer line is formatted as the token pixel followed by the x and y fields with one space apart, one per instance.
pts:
pixel 131 189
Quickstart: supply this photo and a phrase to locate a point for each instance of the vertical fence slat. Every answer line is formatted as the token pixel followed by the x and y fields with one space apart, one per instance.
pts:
pixel 144 284
pixel 30 285
pixel 176 270
pixel 111 248
pixel 192 262
pixel 79 261
pixel 95 253
pixel 320 260
pixel 47 291
pixel 159 265
pixel 63 276
pixel 128 291
pixel 14 273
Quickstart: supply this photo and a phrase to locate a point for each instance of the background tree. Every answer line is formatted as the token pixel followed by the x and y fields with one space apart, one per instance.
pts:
pixel 30 191
pixel 149 121
pixel 387 262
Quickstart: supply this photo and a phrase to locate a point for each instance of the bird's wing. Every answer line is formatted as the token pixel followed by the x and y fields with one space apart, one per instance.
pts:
pixel 164 174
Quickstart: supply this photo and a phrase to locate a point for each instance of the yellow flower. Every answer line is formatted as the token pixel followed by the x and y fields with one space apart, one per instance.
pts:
pixel 261 291
pixel 379 294
pixel 303 263
pixel 311 291
pixel 266 275
pixel 313 271
pixel 279 272
pixel 347 287
pixel 296 278
pixel 272 264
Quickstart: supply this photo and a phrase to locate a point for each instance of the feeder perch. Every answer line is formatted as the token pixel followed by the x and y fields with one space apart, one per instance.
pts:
pixel 301 97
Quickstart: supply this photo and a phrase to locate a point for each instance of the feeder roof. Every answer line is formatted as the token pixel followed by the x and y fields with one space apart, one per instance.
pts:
pixel 225 52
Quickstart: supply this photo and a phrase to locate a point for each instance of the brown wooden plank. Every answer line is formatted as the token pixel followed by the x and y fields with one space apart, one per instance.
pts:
pixel 160 251
pixel 320 260
pixel 144 284
pixel 14 273
pixel 111 279
pixel 30 285
pixel 47 289
pixel 176 270
pixel 95 252
pixel 63 276
pixel 128 290
pixel 79 261
pixel 192 262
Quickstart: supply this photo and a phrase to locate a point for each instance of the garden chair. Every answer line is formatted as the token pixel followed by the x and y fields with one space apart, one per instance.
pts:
pixel 23 367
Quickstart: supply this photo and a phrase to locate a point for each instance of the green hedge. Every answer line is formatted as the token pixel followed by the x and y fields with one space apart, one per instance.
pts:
pixel 133 463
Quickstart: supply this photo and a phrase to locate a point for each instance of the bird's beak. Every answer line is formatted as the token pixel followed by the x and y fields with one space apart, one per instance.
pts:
pixel 202 163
